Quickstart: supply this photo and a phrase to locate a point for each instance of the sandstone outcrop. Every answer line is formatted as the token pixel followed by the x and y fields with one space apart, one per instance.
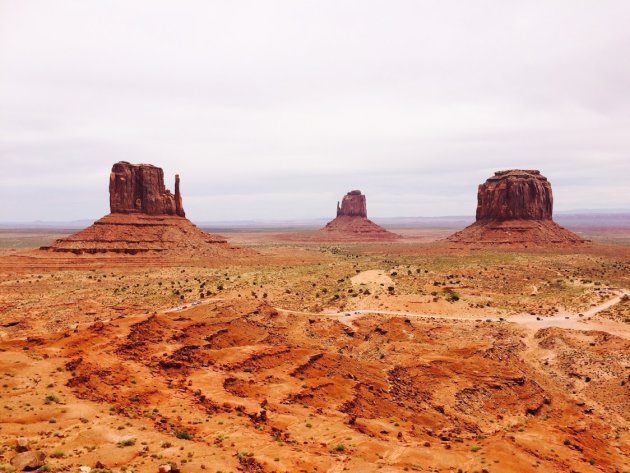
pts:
pixel 139 188
pixel 515 207
pixel 28 461
pixel 145 218
pixel 352 223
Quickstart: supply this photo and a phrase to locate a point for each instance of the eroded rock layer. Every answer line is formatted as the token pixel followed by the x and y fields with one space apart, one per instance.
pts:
pixel 516 233
pixel 352 223
pixel 139 233
pixel 515 207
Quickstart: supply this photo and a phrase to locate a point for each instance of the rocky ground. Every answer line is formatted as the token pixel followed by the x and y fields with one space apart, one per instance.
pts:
pixel 274 362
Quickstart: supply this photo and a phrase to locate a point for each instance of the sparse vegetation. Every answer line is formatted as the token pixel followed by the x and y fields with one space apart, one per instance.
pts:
pixel 183 435
pixel 340 447
pixel 129 442
pixel 328 380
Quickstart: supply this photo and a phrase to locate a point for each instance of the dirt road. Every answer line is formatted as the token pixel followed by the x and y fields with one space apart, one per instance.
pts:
pixel 576 321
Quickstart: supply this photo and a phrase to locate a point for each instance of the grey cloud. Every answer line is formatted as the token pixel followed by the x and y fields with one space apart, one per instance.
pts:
pixel 275 109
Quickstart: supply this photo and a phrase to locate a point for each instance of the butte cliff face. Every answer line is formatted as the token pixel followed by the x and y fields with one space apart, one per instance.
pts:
pixel 140 188
pixel 352 205
pixel 515 207
pixel 352 223
pixel 145 218
pixel 513 195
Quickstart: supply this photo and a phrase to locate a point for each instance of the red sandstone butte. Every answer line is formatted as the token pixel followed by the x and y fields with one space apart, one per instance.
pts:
pixel 145 218
pixel 352 205
pixel 515 207
pixel 514 195
pixel 352 223
pixel 140 188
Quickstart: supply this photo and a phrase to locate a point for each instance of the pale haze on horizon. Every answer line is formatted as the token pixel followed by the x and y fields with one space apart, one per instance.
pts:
pixel 273 110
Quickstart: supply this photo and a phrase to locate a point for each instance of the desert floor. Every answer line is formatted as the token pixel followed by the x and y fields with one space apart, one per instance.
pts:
pixel 319 357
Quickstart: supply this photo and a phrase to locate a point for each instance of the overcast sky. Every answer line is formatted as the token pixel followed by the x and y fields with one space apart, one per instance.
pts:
pixel 273 110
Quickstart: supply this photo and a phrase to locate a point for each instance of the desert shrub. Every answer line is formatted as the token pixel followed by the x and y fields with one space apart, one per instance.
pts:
pixel 52 398
pixel 127 442
pixel 183 435
pixel 452 296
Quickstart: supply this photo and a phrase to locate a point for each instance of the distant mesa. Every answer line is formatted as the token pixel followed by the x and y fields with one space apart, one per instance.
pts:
pixel 145 218
pixel 515 207
pixel 352 223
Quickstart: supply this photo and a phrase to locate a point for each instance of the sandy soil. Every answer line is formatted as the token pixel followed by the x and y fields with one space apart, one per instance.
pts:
pixel 448 360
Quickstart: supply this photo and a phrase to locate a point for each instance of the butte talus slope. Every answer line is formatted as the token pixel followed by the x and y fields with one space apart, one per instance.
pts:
pixel 515 207
pixel 351 222
pixel 145 218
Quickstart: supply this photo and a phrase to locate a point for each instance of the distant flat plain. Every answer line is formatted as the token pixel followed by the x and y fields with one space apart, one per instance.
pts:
pixel 605 227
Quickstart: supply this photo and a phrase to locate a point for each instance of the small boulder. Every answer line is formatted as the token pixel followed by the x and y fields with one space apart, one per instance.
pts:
pixel 97 326
pixel 170 467
pixel 21 445
pixel 28 461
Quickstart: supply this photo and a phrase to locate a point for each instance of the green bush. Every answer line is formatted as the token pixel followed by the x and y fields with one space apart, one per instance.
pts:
pixel 452 296
pixel 127 442
pixel 183 435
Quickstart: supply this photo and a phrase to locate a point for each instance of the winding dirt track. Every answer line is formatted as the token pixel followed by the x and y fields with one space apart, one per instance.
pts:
pixel 570 320
pixel 575 321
